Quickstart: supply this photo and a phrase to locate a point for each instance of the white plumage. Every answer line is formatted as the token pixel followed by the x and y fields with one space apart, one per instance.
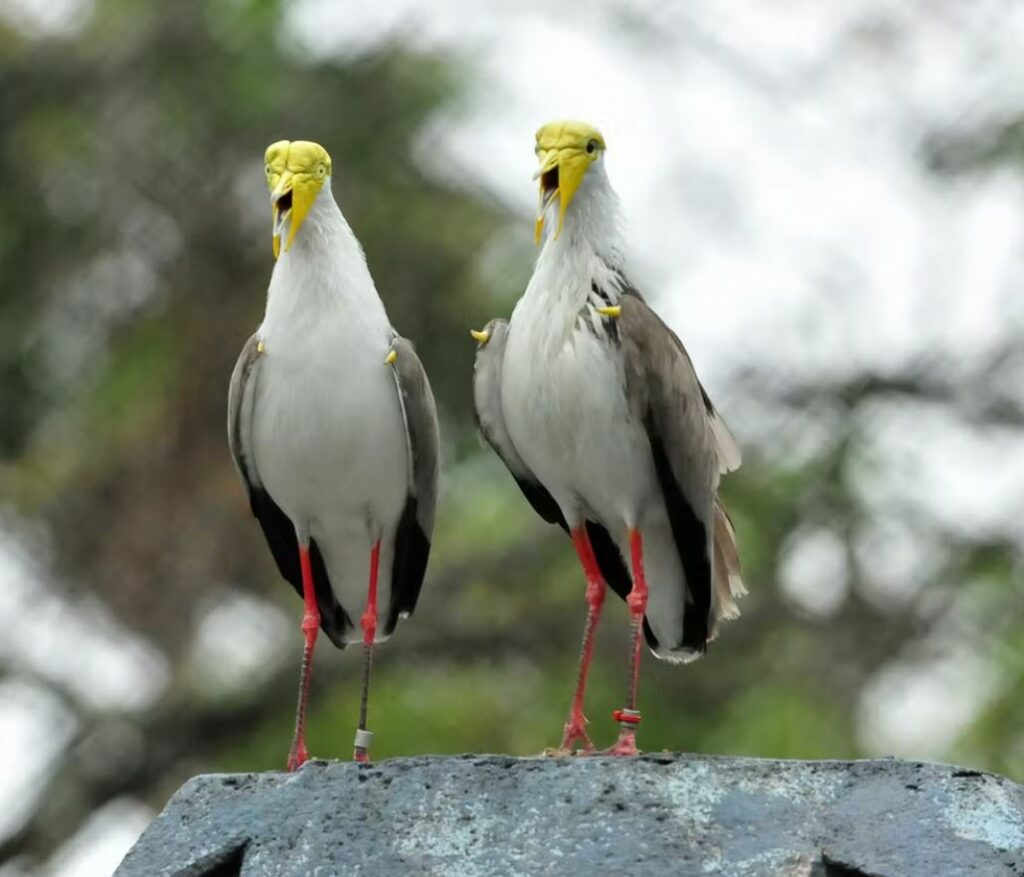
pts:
pixel 595 407
pixel 328 438
pixel 333 429
pixel 568 417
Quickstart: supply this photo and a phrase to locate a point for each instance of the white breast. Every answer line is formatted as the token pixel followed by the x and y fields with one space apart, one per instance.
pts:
pixel 564 404
pixel 329 442
pixel 328 434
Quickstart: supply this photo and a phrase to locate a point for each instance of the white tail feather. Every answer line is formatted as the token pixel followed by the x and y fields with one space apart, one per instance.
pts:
pixel 728 449
pixel 728 583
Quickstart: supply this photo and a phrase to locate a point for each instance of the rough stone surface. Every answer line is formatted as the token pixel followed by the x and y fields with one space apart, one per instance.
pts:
pixel 657 815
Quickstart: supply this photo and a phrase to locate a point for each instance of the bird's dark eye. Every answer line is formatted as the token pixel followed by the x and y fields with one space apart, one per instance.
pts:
pixel 592 147
pixel 268 169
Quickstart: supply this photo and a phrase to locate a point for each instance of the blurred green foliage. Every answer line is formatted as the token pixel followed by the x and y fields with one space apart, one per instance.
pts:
pixel 135 251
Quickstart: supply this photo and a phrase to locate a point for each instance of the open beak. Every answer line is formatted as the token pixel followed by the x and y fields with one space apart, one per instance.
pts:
pixel 281 203
pixel 548 176
pixel 291 200
pixel 560 174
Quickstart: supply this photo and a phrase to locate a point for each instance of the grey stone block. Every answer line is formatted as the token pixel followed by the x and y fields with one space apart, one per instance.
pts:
pixel 655 815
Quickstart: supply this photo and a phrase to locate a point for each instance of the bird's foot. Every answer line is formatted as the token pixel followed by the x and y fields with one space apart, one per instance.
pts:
pixel 298 756
pixel 625 745
pixel 563 752
pixel 628 719
pixel 576 729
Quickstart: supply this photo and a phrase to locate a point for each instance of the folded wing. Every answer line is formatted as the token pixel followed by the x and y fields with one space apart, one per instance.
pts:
pixel 277 527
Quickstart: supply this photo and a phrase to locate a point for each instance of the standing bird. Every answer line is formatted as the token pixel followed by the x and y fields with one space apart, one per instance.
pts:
pixel 333 429
pixel 593 404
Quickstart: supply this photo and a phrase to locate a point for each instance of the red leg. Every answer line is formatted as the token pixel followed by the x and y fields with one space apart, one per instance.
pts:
pixel 298 754
pixel 629 718
pixel 576 727
pixel 369 624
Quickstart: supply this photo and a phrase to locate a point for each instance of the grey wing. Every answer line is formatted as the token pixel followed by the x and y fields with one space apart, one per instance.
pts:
pixel 416 526
pixel 491 421
pixel 277 526
pixel 667 398
pixel 729 457
pixel 241 397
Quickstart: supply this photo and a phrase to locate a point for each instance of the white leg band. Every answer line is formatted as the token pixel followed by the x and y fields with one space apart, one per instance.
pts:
pixel 363 739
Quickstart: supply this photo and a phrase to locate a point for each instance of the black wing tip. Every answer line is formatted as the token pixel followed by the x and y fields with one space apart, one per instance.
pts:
pixel 284 546
pixel 696 628
pixel 691 539
pixel 542 502
pixel 610 561
pixel 334 620
pixel 616 575
pixel 693 645
pixel 409 567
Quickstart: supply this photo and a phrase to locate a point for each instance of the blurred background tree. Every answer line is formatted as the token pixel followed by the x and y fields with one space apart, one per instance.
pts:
pixel 148 636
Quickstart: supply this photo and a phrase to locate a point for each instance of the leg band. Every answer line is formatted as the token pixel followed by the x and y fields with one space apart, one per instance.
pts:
pixel 626 718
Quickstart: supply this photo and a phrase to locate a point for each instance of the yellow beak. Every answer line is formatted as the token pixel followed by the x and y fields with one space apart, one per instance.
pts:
pixel 481 336
pixel 561 172
pixel 291 200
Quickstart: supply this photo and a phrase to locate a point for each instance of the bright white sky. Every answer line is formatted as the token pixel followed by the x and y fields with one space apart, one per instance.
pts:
pixel 767 159
pixel 765 156
pixel 779 214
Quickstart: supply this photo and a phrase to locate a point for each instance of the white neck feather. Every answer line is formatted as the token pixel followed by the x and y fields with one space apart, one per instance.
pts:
pixel 588 252
pixel 591 222
pixel 323 271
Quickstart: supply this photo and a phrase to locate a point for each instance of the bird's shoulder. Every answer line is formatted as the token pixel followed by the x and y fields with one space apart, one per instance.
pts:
pixel 661 376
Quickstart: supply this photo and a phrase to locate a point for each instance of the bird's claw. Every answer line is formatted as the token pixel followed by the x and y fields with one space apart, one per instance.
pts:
pixel 575 729
pixel 561 752
pixel 624 746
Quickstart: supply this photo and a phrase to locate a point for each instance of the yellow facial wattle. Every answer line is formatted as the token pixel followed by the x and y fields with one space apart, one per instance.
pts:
pixel 565 150
pixel 296 171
